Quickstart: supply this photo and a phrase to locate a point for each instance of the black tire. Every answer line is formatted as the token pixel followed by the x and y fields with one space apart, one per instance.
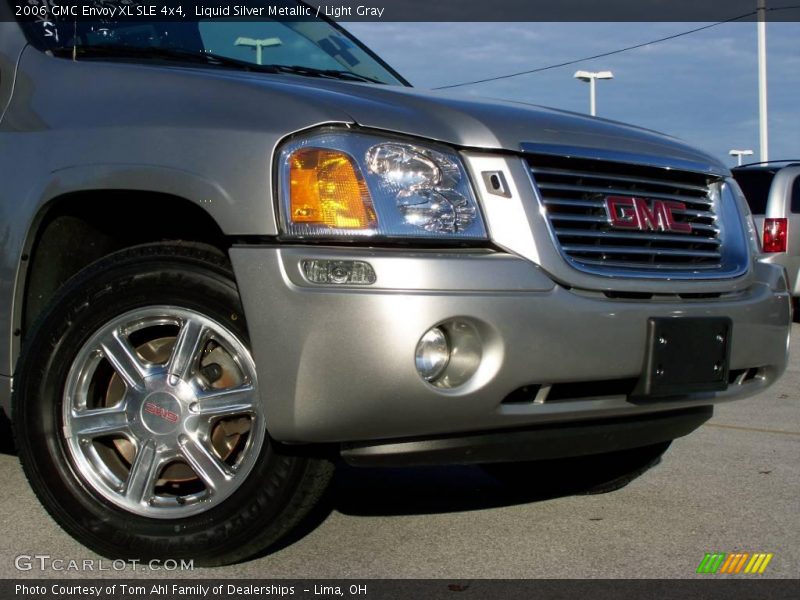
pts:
pixel 594 474
pixel 273 498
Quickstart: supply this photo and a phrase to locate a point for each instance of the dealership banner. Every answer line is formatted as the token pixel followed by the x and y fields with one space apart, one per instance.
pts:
pixel 375 589
pixel 401 10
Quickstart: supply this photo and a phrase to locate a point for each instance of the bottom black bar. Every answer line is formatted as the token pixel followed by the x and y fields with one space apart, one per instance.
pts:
pixel 545 442
pixel 711 586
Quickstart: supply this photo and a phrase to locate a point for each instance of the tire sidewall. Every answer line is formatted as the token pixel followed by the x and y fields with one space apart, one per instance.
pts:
pixel 121 283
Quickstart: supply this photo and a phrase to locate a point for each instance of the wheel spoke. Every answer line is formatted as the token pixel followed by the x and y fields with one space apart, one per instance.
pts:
pixel 228 402
pixel 187 348
pixel 144 474
pixel 124 359
pixel 209 468
pixel 96 423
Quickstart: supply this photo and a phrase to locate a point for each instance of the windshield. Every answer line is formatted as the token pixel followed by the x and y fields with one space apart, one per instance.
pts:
pixel 311 47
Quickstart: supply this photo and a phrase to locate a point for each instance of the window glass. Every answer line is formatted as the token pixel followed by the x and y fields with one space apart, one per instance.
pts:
pixel 796 195
pixel 755 184
pixel 313 47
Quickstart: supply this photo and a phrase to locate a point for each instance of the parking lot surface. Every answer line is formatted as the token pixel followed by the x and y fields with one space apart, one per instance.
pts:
pixel 733 485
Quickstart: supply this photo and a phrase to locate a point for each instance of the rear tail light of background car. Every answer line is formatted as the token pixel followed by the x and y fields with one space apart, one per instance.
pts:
pixel 775 234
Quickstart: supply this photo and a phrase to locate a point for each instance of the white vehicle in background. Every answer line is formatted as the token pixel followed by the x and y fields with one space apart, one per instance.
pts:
pixel 772 190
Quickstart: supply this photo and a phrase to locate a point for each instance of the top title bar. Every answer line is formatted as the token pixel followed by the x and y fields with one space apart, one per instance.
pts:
pixel 401 10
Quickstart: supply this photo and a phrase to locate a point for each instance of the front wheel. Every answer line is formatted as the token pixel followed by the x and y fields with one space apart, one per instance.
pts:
pixel 139 418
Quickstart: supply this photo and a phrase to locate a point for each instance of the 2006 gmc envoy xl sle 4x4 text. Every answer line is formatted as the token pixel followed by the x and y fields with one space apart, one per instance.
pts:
pixel 223 267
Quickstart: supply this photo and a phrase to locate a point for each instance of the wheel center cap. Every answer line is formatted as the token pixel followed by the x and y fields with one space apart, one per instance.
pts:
pixel 161 412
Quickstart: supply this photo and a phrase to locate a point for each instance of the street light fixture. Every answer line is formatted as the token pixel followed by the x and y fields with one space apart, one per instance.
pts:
pixel 591 77
pixel 740 153
pixel 258 45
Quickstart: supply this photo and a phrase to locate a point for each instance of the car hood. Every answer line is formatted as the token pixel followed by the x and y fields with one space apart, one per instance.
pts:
pixel 230 97
pixel 487 123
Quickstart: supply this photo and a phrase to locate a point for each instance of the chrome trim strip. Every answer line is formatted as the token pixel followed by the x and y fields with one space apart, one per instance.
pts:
pixel 643 160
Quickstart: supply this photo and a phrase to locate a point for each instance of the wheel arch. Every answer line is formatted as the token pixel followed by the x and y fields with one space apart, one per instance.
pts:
pixel 86 213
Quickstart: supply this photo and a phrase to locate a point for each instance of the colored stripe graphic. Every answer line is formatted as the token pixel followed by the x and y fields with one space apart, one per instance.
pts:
pixel 758 564
pixel 711 562
pixel 734 563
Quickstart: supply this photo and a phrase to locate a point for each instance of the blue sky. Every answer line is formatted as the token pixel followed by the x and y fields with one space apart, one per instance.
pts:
pixel 701 87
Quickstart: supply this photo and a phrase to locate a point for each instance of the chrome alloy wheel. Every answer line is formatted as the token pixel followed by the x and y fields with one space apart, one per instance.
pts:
pixel 161 413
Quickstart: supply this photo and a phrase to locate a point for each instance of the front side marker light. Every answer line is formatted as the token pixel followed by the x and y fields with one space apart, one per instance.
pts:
pixel 338 272
pixel 352 185
pixel 327 189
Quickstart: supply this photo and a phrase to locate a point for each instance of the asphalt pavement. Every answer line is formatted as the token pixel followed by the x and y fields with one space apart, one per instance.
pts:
pixel 731 486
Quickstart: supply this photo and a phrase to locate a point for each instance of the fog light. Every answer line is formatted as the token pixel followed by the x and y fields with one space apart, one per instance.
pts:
pixel 433 354
pixel 339 272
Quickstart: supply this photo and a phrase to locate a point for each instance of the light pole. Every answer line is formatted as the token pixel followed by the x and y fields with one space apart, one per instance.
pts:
pixel 740 153
pixel 591 78
pixel 257 44
pixel 762 81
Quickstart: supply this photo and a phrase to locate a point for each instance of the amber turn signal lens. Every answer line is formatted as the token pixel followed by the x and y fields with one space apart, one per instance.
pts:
pixel 327 188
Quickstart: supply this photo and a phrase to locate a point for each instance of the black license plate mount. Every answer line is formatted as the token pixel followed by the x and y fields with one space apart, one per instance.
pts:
pixel 685 355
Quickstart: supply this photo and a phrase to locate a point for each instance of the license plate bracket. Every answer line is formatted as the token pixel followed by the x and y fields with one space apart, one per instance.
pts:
pixel 685 355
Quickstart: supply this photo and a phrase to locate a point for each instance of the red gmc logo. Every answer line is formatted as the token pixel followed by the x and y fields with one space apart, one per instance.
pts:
pixel 628 212
pixel 155 409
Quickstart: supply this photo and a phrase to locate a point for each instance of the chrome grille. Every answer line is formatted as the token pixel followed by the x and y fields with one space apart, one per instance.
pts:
pixel 574 193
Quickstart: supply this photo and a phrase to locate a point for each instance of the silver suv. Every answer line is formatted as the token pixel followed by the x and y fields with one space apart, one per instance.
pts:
pixel 223 268
pixel 772 190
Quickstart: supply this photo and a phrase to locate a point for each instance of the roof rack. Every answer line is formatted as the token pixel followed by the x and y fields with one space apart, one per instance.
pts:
pixel 789 162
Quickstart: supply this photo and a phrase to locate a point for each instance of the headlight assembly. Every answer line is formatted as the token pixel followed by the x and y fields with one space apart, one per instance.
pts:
pixel 341 184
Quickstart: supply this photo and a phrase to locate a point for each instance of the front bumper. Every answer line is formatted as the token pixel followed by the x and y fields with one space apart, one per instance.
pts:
pixel 792 265
pixel 535 443
pixel 336 364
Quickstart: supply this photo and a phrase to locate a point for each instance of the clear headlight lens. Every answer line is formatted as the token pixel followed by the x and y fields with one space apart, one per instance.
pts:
pixel 335 184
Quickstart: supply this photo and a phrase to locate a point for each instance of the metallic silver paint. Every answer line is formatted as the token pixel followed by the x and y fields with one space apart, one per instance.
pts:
pixel 779 206
pixel 622 156
pixel 473 271
pixel 518 225
pixel 133 131
pixel 339 364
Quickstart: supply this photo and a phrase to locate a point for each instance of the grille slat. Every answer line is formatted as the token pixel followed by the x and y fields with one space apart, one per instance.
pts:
pixel 646 265
pixel 579 218
pixel 652 237
pixel 703 214
pixel 574 202
pixel 622 178
pixel 574 192
pixel 624 250
pixel 619 191
pixel 713 229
